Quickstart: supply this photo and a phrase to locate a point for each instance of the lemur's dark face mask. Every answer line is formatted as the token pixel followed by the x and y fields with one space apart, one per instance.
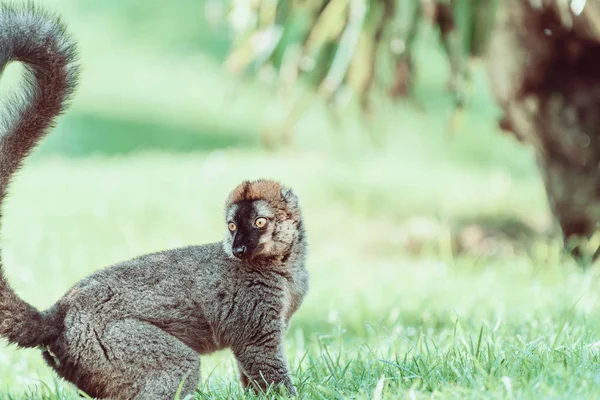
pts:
pixel 248 225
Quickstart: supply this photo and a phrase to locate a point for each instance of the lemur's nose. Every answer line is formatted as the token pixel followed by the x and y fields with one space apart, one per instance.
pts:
pixel 239 251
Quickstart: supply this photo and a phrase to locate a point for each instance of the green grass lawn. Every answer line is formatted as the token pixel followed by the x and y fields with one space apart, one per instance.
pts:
pixel 394 310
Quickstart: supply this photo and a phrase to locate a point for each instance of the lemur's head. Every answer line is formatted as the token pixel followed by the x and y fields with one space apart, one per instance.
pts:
pixel 263 220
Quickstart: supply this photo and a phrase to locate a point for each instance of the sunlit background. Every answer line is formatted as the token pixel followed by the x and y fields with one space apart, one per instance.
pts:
pixel 436 268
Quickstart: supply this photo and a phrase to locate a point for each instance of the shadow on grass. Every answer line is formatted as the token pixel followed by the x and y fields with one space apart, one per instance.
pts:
pixel 480 236
pixel 81 135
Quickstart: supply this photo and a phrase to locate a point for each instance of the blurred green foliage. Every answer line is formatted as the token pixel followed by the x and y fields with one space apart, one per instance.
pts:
pixel 182 27
pixel 154 79
pixel 350 47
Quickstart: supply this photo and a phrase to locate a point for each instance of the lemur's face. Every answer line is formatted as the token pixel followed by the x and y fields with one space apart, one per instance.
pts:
pixel 250 225
pixel 262 220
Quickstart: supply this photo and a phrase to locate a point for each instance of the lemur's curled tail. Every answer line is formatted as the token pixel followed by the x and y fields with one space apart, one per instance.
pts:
pixel 39 41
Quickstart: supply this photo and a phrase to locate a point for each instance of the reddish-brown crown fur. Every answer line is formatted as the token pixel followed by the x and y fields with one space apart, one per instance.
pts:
pixel 264 189
pixel 268 190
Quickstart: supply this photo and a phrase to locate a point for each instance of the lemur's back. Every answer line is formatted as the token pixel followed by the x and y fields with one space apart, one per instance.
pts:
pixel 165 289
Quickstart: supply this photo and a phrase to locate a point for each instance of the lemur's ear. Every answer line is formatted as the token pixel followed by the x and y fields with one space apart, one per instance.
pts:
pixel 290 197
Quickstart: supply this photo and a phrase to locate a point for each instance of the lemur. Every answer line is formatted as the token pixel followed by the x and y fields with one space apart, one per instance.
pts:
pixel 135 330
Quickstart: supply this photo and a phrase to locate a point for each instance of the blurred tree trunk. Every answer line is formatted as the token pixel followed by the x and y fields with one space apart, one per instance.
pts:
pixel 544 65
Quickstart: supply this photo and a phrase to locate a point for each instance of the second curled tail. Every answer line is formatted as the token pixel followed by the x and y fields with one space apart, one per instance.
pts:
pixel 39 41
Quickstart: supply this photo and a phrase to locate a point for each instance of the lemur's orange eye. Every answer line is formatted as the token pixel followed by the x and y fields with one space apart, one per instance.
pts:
pixel 232 227
pixel 260 222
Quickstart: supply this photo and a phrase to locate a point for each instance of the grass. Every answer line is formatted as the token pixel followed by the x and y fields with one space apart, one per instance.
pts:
pixel 383 319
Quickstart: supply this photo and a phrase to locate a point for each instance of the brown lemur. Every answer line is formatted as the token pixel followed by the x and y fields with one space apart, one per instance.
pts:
pixel 135 330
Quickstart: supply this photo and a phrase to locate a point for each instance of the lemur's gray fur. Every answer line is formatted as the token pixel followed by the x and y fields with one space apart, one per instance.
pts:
pixel 135 330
